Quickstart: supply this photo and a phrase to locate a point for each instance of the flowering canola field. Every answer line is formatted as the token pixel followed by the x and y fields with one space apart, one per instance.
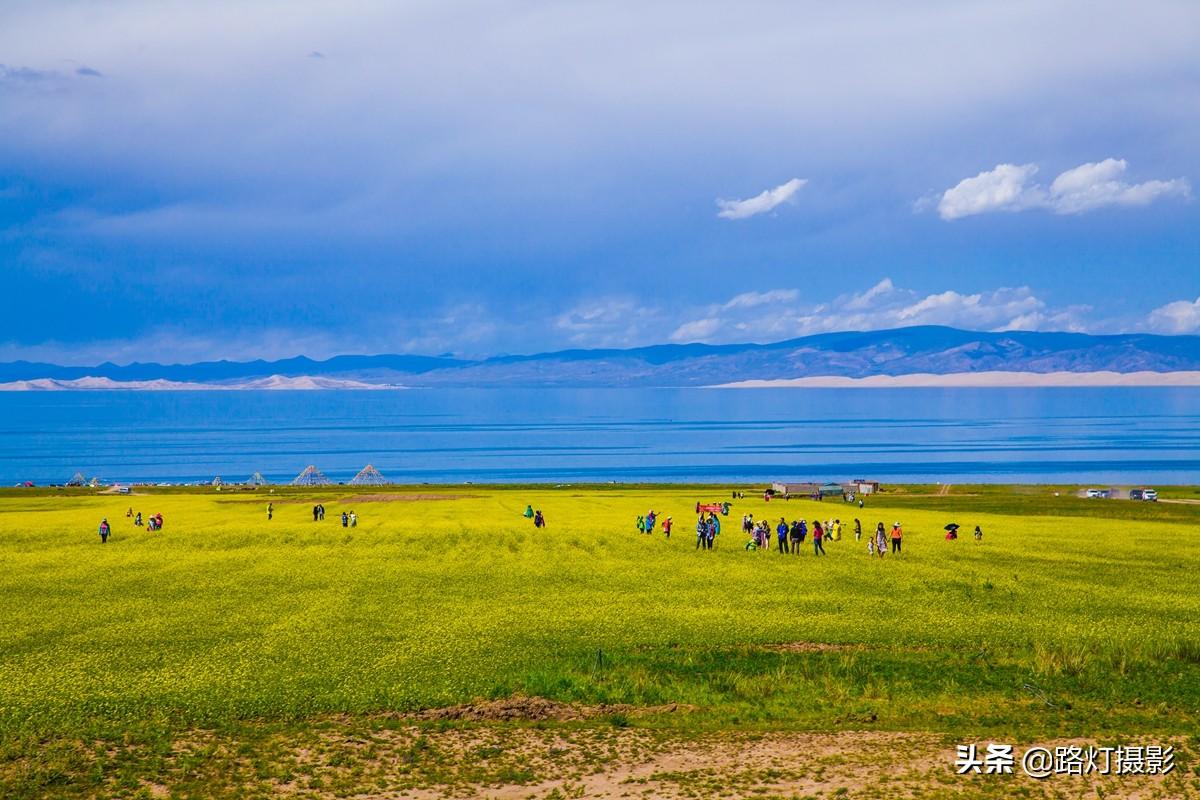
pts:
pixel 1068 618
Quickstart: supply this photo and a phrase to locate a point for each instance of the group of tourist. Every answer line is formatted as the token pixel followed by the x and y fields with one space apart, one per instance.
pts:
pixel 539 521
pixel 647 521
pixel 708 526
pixel 153 523
pixel 790 536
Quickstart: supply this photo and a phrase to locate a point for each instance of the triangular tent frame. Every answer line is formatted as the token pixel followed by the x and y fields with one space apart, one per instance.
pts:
pixel 311 476
pixel 257 480
pixel 77 480
pixel 368 476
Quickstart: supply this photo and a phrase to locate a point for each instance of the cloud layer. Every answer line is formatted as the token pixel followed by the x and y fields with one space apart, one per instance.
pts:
pixel 1007 187
pixel 781 314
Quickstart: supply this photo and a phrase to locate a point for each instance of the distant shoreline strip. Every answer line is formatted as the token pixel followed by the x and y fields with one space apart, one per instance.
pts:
pixel 977 380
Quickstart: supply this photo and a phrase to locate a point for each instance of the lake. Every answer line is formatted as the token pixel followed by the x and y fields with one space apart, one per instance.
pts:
pixel 1095 435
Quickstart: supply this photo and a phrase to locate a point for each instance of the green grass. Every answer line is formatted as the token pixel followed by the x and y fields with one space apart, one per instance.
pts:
pixel 1073 618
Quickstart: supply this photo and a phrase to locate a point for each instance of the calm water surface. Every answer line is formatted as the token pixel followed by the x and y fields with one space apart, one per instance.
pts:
pixel 1117 435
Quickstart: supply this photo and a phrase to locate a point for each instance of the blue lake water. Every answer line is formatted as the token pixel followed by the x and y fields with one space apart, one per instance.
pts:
pixel 1116 435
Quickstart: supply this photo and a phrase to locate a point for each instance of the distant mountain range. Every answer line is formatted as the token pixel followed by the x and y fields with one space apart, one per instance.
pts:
pixel 903 351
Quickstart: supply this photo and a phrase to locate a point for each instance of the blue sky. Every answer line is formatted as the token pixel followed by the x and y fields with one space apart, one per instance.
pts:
pixel 194 180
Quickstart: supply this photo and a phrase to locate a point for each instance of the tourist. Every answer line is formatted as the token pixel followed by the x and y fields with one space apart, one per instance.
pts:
pixel 978 534
pixel 353 520
pixel 818 535
pixel 641 524
pixel 857 530
pixel 104 530
pixel 316 513
pixel 880 541
pixel 538 520
pixel 781 532
pixel 651 518
pixel 322 508
pixel 714 527
pixel 667 527
pixel 528 511
pixel 897 535
pixel 345 520
pixel 270 511
pixel 803 530
pixel 701 532
pixel 794 533
pixel 158 521
pixel 137 520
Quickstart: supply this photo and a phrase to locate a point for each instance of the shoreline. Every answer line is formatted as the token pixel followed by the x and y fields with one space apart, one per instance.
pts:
pixel 994 379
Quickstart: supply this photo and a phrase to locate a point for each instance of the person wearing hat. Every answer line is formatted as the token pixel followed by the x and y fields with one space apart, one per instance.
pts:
pixel 667 527
pixel 897 535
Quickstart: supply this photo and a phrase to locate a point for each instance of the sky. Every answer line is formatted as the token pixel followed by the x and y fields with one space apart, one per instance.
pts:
pixel 183 181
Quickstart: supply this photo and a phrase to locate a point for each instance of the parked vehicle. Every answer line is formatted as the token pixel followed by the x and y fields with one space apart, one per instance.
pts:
pixel 1098 493
pixel 1148 495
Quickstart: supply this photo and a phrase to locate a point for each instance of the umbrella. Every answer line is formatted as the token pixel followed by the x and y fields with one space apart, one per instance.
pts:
pixel 953 526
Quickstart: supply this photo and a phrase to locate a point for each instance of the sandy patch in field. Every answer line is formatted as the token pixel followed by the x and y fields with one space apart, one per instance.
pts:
pixel 808 647
pixel 402 498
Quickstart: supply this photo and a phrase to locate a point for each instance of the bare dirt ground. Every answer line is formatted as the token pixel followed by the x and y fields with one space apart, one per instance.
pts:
pixel 539 709
pixel 510 762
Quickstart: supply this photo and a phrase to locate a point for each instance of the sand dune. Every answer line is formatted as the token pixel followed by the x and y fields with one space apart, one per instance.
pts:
pixel 301 382
pixel 994 379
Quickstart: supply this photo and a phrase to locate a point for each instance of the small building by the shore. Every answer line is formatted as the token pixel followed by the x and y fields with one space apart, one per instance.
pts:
pixel 795 489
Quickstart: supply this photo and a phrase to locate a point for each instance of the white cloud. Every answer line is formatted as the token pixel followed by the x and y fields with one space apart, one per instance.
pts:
pixel 881 306
pixel 1082 188
pixel 1182 316
pixel 1000 189
pixel 1098 184
pixel 698 330
pixel 752 299
pixel 760 203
